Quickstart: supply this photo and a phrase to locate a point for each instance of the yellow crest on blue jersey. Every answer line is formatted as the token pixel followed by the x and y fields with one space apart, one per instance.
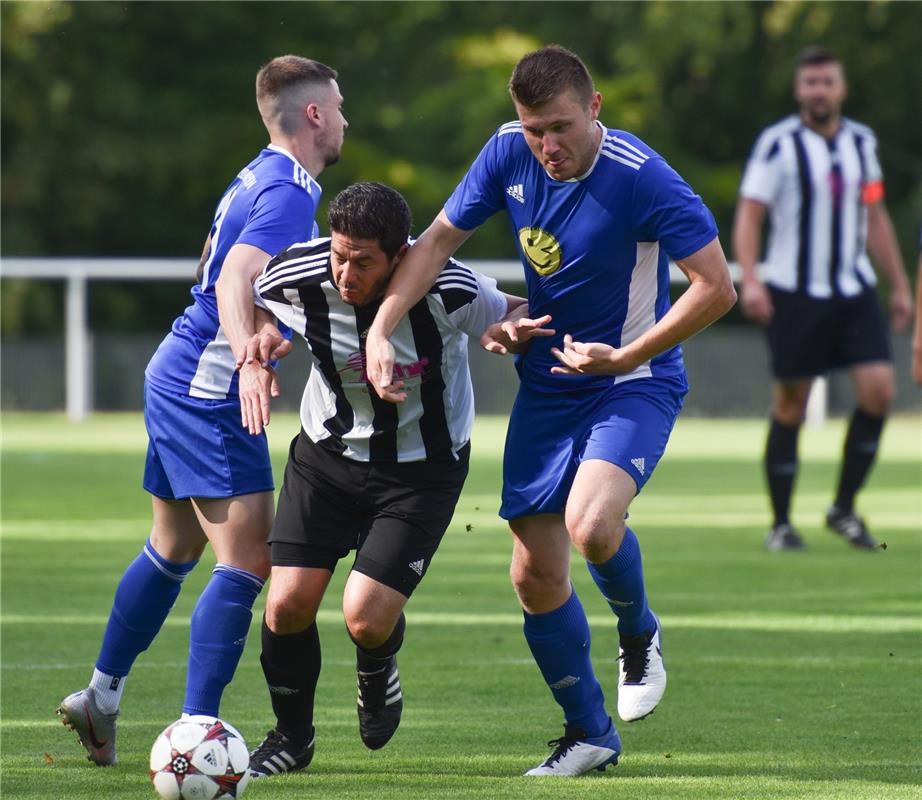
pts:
pixel 541 249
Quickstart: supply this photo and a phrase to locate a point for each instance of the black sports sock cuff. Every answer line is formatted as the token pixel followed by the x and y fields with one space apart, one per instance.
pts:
pixel 383 651
pixel 867 426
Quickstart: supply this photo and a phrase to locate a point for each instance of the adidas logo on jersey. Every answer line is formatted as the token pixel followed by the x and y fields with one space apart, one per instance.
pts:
pixel 638 464
pixel 417 566
pixel 516 192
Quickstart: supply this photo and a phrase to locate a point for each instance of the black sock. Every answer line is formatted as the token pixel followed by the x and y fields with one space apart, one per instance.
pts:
pixel 291 664
pixel 858 455
pixel 781 467
pixel 373 660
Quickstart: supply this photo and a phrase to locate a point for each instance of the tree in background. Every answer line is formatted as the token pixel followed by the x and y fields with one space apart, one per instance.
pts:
pixel 121 122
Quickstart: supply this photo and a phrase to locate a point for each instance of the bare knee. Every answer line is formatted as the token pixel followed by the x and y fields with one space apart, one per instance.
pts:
pixel 538 585
pixel 876 400
pixel 790 406
pixel 369 632
pixel 285 614
pixel 596 539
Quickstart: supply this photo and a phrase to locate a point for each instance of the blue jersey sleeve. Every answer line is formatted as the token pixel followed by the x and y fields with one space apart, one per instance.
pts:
pixel 479 195
pixel 282 215
pixel 665 209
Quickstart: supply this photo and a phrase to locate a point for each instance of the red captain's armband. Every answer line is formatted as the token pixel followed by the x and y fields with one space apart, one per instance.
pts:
pixel 872 192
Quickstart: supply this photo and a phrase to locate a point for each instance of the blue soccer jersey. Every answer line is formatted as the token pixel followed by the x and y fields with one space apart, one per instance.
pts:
pixel 595 249
pixel 271 204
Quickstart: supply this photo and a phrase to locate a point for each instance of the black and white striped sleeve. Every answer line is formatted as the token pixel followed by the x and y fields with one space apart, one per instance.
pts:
pixel 471 300
pixel 277 288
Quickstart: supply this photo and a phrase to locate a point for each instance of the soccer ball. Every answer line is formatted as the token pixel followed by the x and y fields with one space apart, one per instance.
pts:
pixel 199 758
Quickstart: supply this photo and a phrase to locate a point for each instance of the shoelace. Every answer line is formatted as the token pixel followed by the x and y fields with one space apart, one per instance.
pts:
pixel 570 738
pixel 635 657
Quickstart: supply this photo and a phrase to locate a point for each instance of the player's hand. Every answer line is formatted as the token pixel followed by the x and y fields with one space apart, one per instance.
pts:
pixel 514 335
pixel 257 385
pixel 591 358
pixel 900 308
pixel 379 367
pixel 265 346
pixel 756 302
pixel 393 393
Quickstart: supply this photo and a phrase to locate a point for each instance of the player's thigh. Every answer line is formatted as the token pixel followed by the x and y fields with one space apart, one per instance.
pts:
pixel 412 506
pixel 320 509
pixel 596 508
pixel 197 448
pixel 371 609
pixel 801 336
pixel 176 533
pixel 294 597
pixel 543 438
pixel 238 529
pixel 875 386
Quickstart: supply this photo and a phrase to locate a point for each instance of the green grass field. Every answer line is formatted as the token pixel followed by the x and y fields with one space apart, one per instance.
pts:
pixel 791 675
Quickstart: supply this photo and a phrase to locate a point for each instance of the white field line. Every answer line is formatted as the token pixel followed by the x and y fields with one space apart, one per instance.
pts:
pixel 780 623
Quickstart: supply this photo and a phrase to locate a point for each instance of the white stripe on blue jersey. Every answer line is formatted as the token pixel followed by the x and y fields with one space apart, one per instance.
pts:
pixel 269 204
pixel 595 248
pixel 814 190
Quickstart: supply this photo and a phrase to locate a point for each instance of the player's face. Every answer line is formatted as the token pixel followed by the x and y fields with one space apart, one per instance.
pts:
pixel 361 269
pixel 820 90
pixel 562 133
pixel 330 142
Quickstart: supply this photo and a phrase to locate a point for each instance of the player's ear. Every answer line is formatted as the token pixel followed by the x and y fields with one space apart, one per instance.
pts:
pixel 595 105
pixel 398 256
pixel 312 113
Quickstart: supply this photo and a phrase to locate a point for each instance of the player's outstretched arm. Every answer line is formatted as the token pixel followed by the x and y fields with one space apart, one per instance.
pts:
pixel 412 279
pixel 709 296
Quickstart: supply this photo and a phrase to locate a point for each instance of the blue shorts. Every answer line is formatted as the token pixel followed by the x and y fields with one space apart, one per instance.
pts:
pixel 551 434
pixel 198 448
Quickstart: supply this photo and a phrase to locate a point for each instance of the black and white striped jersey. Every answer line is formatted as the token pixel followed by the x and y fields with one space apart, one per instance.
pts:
pixel 339 410
pixel 817 191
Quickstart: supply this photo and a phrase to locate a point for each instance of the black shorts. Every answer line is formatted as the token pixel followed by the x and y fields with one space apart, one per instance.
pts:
pixel 394 515
pixel 807 336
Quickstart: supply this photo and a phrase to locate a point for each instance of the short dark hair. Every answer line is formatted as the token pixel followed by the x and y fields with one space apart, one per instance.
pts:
pixel 279 83
pixel 372 211
pixel 546 73
pixel 814 55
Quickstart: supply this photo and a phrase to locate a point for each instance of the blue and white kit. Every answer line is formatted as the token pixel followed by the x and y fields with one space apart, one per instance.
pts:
pixel 197 446
pixel 596 254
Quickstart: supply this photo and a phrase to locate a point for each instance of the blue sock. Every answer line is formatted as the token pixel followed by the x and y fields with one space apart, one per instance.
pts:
pixel 559 641
pixel 620 579
pixel 220 624
pixel 144 597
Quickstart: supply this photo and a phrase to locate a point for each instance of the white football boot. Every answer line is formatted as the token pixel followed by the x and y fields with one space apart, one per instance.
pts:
pixel 576 754
pixel 641 675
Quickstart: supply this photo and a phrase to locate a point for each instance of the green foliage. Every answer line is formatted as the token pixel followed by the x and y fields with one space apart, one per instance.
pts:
pixel 123 122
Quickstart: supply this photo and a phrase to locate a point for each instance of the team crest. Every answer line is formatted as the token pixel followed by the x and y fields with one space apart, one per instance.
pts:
pixel 541 249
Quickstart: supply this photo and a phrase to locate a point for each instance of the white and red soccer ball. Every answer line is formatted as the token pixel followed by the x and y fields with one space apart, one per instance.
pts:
pixel 199 758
